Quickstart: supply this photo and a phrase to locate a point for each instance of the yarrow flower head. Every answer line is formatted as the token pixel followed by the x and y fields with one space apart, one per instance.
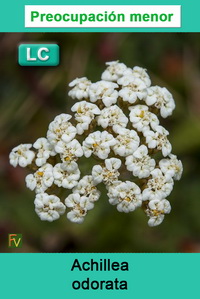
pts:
pixel 117 122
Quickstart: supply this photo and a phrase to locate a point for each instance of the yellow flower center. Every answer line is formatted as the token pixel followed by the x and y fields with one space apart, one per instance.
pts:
pixel 141 114
pixel 127 199
pixel 68 158
pixel 157 213
pixel 40 173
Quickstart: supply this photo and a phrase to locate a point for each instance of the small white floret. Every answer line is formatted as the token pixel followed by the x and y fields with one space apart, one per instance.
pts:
pixel 80 88
pixel 60 129
pixel 87 187
pixel 70 151
pixel 127 141
pixel 104 91
pixel 21 155
pixel 172 167
pixel 45 150
pixel 41 180
pixel 112 117
pixel 65 178
pixel 156 210
pixel 142 74
pixel 162 99
pixel 114 71
pixel 85 113
pixel 158 186
pixel 133 88
pixel 126 195
pixel 140 163
pixel 79 205
pixel 142 119
pixel 48 207
pixel 98 143
pixel 158 139
pixel 108 173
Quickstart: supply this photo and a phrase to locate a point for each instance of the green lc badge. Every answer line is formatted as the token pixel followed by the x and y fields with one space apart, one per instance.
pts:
pixel 38 55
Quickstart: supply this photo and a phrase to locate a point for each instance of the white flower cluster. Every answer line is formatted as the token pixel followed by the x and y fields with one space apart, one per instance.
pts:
pixel 117 122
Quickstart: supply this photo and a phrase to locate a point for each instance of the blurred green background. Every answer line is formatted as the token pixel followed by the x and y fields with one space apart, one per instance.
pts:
pixel 30 97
